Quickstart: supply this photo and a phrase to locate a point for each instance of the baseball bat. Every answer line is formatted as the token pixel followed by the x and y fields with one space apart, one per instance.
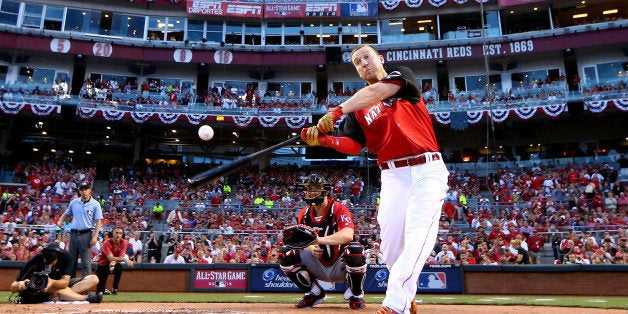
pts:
pixel 222 169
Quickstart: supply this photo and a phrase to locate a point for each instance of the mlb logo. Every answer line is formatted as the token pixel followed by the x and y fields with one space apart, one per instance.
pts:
pixel 430 281
pixel 359 7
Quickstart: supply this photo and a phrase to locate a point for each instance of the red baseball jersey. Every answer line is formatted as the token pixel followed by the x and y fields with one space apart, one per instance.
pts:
pixel 109 247
pixel 397 127
pixel 336 217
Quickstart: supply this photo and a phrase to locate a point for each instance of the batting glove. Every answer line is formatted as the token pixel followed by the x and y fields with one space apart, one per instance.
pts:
pixel 326 123
pixel 312 137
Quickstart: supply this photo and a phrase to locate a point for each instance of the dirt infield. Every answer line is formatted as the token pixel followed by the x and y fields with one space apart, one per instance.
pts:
pixel 271 308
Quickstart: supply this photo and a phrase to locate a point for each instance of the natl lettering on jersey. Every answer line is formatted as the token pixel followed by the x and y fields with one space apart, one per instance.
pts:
pixel 373 113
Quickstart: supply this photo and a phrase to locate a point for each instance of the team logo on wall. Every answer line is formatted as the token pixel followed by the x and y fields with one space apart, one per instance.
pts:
pixel 223 57
pixel 182 55
pixel 60 45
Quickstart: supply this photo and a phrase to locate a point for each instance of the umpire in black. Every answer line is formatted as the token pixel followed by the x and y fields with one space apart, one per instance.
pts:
pixel 57 264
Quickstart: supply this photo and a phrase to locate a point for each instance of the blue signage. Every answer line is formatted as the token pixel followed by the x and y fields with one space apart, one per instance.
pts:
pixel 359 9
pixel 433 278
pixel 270 278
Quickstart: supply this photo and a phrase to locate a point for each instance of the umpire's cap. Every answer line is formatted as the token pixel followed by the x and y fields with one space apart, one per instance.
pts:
pixel 51 252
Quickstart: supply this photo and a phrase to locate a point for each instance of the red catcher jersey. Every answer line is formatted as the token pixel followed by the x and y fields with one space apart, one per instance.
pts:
pixel 399 126
pixel 335 218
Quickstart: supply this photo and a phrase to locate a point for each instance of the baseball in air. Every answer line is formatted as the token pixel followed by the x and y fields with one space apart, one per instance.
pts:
pixel 206 132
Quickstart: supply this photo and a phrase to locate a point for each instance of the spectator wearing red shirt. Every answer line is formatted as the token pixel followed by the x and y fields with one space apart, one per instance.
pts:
pixel 112 253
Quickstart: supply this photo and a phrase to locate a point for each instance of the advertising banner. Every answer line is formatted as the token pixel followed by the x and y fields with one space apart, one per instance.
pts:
pixel 225 8
pixel 284 10
pixel 359 9
pixel 270 278
pixel 219 279
pixel 433 279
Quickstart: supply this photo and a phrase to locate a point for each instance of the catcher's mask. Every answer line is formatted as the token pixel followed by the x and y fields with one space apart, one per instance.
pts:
pixel 51 252
pixel 315 189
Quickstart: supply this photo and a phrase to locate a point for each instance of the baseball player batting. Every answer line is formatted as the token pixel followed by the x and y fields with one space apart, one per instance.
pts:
pixel 390 119
pixel 333 257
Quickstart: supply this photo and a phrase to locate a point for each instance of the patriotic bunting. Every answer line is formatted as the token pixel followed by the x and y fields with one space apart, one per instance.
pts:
pixel 525 113
pixel 475 116
pixel 141 117
pixel 168 118
pixel 44 110
pixel 196 119
pixel 295 122
pixel 12 108
pixel 242 121
pixel 443 117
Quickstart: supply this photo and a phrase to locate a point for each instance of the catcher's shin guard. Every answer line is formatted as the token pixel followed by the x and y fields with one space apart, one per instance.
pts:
pixel 289 261
pixel 355 264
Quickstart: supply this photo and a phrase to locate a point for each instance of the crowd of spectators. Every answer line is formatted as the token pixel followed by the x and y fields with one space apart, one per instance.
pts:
pixel 157 95
pixel 571 214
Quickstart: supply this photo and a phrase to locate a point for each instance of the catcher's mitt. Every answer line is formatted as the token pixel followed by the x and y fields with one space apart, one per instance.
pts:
pixel 33 292
pixel 299 236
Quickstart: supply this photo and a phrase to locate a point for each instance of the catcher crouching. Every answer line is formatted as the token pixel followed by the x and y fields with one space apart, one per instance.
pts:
pixel 46 277
pixel 321 247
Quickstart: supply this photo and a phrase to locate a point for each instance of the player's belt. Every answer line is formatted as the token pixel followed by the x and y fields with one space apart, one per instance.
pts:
pixel 410 161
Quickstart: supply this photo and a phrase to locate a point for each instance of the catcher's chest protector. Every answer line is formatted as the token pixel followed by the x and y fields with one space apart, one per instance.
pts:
pixel 327 226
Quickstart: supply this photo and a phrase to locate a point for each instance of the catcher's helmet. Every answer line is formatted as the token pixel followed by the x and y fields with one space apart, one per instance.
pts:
pixel 316 188
pixel 51 252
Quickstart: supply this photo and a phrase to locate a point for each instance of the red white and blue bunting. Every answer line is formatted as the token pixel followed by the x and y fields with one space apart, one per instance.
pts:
pixel 87 113
pixel 242 121
pixel 141 117
pixel 168 118
pixel 475 116
pixel 44 110
pixel 436 3
pixel 294 122
pixel 415 3
pixel 443 117
pixel 11 107
pixel 112 115
pixel 499 115
pixel 297 122
pixel 196 119
pixel 599 106
pixel 525 113
pixel 554 110
pixel 268 122
pixel 393 4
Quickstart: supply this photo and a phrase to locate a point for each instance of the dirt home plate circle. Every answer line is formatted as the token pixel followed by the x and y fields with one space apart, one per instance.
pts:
pixel 205 132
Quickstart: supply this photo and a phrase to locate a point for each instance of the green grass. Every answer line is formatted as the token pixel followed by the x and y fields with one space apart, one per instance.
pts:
pixel 215 297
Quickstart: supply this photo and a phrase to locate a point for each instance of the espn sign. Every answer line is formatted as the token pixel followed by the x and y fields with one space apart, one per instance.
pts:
pixel 243 10
pixel 321 10
pixel 204 7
